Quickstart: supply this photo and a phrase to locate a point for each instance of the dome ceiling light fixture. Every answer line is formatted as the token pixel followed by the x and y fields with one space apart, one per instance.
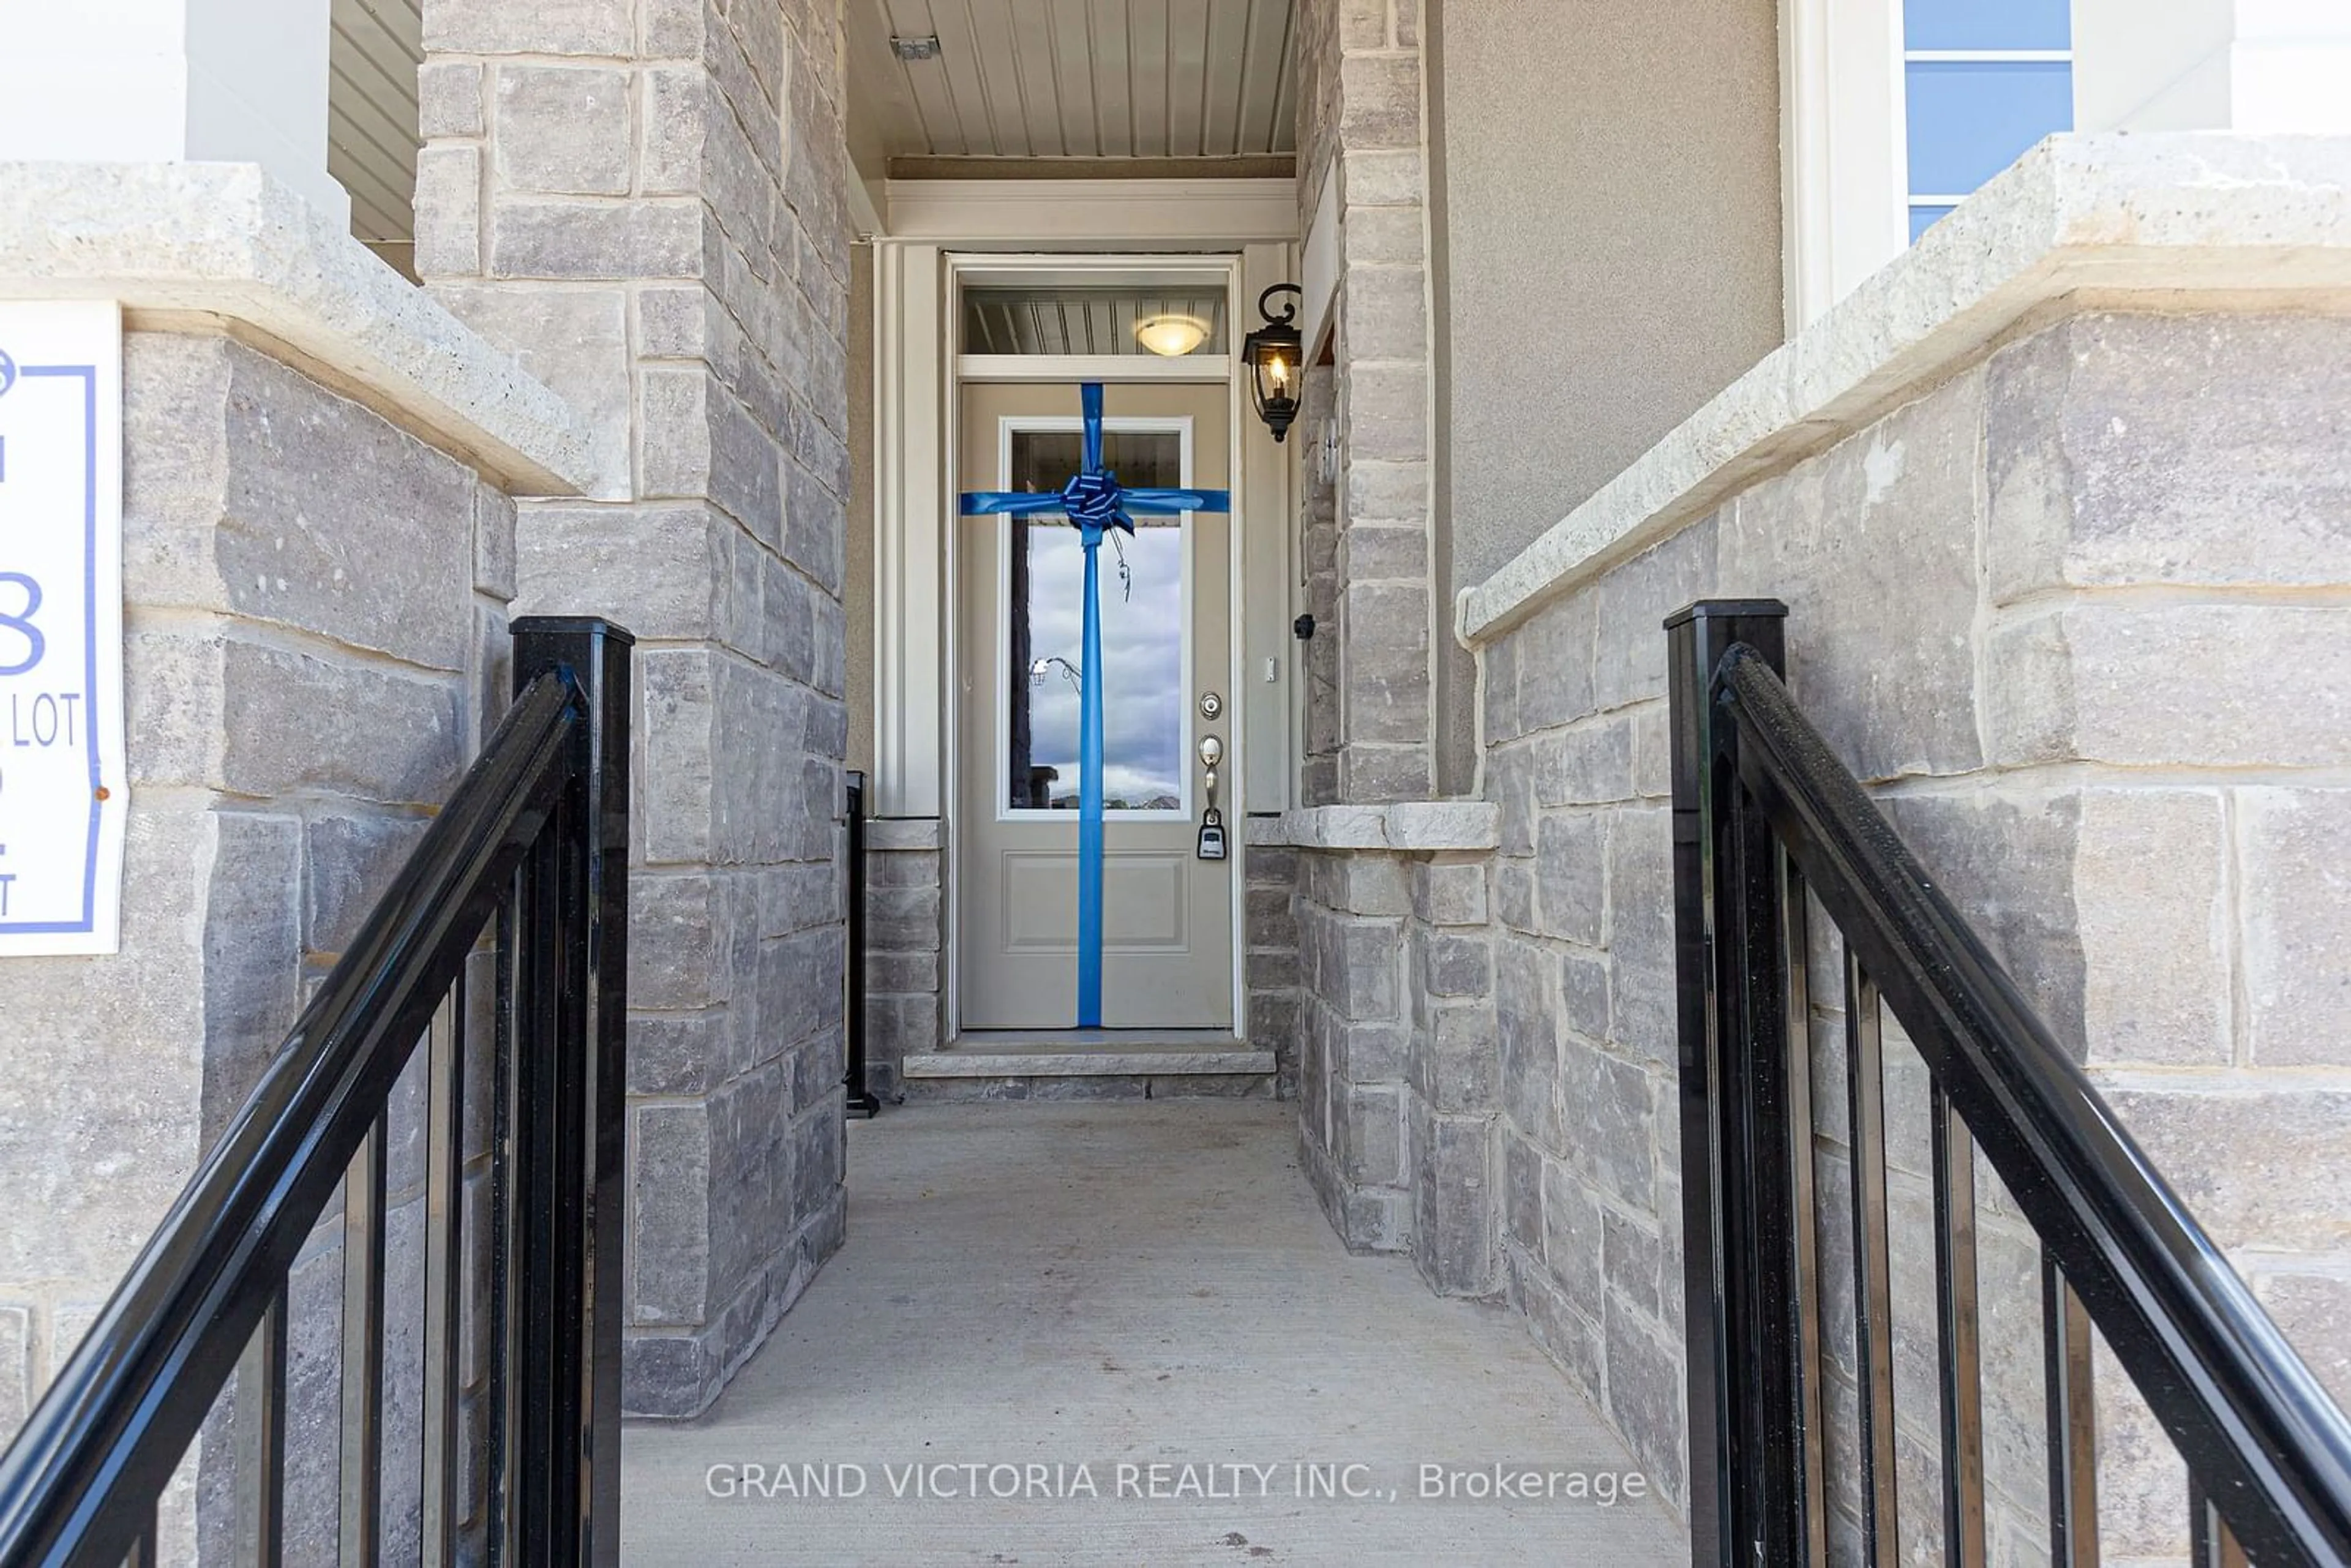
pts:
pixel 1171 336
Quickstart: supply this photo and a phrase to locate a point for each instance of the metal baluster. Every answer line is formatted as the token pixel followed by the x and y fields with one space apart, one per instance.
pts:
pixel 545 1481
pixel 1805 1266
pixel 543 1505
pixel 504 1317
pixel 1872 1293
pixel 2210 1543
pixel 2073 1422
pixel 860 1100
pixel 444 1209
pixel 1762 1220
pixel 261 1441
pixel 1961 1358
pixel 143 1550
pixel 362 1359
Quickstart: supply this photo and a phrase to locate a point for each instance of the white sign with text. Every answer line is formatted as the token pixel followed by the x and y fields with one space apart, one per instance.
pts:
pixel 63 786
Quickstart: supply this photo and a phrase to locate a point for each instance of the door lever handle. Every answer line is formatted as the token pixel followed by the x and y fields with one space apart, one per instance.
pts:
pixel 1212 754
pixel 1212 821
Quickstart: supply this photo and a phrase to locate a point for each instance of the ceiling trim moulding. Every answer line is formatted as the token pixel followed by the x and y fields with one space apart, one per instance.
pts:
pixel 1046 214
pixel 1246 166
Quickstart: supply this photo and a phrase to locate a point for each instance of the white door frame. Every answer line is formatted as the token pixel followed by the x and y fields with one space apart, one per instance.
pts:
pixel 918 306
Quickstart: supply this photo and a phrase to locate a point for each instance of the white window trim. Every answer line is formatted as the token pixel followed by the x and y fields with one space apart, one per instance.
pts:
pixel 1845 197
pixel 1846 201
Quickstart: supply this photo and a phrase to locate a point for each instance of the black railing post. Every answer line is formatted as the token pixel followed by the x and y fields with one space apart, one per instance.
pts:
pixel 1741 1406
pixel 571 1129
pixel 859 1099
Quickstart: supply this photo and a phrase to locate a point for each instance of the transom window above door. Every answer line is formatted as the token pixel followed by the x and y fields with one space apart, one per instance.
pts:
pixel 1982 81
pixel 1168 323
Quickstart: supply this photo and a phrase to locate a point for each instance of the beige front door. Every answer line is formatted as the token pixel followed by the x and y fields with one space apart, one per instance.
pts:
pixel 1166 614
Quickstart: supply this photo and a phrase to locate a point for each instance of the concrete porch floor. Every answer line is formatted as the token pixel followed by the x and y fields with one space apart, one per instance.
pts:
pixel 1144 1283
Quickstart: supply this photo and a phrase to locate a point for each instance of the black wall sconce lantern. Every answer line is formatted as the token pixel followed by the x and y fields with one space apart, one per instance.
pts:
pixel 1274 351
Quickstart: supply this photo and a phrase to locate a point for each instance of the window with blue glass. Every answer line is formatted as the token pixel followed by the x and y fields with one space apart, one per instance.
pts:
pixel 1983 80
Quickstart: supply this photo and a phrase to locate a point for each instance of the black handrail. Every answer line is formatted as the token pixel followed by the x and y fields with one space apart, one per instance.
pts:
pixel 535 836
pixel 1764 810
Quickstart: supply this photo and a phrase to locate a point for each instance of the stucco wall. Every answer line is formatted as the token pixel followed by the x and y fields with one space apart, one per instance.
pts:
pixel 1606 242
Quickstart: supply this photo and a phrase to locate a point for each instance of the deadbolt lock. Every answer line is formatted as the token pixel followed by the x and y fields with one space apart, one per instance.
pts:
pixel 1211 704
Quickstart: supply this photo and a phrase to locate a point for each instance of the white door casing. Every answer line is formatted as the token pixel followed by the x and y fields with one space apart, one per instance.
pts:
pixel 917 388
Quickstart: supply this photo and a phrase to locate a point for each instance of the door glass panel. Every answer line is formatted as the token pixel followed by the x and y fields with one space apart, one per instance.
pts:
pixel 1144 685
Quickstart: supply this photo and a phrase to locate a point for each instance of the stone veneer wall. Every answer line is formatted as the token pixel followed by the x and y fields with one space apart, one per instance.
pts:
pixel 1270 972
pixel 644 201
pixel 1371 719
pixel 905 963
pixel 1377 1112
pixel 1320 735
pixel 315 642
pixel 1450 1075
pixel 2077 616
pixel 1396 1120
pixel 1355 1043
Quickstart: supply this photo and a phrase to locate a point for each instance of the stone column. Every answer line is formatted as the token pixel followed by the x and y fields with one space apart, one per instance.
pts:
pixel 1395 1021
pixel 904 967
pixel 1351 909
pixel 1361 142
pixel 2264 66
pixel 1271 959
pixel 645 202
pixel 173 81
pixel 1449 965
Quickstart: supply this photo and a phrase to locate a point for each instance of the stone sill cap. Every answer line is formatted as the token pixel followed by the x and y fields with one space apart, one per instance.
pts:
pixel 2103 217
pixel 226 241
pixel 1406 827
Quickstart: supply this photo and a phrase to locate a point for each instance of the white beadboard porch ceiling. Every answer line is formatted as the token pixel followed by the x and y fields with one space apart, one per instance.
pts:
pixel 1080 78
pixel 371 59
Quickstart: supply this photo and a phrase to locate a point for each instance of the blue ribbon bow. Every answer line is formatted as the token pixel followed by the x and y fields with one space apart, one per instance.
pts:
pixel 1091 501
pixel 1095 503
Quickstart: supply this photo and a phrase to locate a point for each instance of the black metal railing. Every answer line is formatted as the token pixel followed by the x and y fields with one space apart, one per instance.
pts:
pixel 532 851
pixel 1764 817
pixel 859 1099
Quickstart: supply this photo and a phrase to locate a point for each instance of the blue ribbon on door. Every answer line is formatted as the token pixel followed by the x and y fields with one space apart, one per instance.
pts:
pixel 1095 503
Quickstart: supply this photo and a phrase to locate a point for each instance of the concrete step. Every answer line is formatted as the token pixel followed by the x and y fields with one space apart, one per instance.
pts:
pixel 1090 1064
